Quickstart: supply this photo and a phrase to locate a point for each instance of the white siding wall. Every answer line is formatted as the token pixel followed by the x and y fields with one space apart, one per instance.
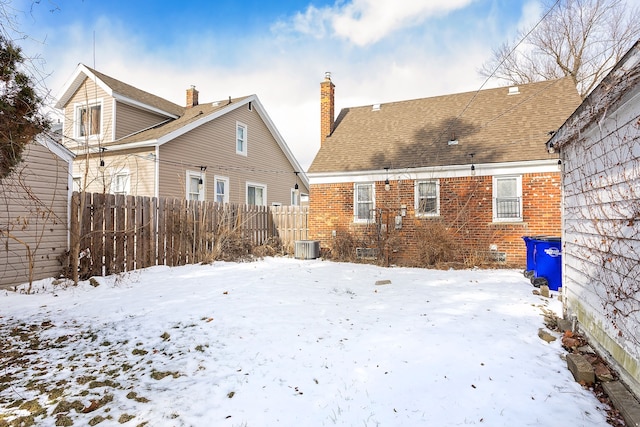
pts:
pixel 602 235
pixel 38 220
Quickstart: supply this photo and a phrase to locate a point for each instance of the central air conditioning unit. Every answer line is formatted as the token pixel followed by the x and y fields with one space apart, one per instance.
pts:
pixel 307 249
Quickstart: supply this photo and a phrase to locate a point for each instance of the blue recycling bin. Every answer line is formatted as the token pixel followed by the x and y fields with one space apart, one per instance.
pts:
pixel 529 242
pixel 547 258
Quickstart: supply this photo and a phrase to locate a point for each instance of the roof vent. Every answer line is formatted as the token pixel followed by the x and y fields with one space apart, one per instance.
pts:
pixel 452 142
pixel 376 107
pixel 513 90
pixel 215 104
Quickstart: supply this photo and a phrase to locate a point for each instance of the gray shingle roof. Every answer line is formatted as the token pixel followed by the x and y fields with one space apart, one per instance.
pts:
pixel 494 125
pixel 189 115
pixel 139 95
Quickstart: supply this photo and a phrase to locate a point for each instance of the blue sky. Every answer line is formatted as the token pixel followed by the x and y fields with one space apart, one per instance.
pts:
pixel 377 50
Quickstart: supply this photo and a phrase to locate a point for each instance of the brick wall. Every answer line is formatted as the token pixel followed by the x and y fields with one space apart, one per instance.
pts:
pixel 466 208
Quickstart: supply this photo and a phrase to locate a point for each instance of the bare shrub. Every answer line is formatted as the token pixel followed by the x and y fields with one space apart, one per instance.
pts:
pixel 228 245
pixel 271 247
pixel 436 245
pixel 343 247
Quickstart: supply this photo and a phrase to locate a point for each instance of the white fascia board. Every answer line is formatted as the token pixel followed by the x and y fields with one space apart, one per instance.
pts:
pixel 138 104
pixel 75 81
pixel 278 137
pixel 456 171
pixel 131 145
pixel 58 149
pixel 197 123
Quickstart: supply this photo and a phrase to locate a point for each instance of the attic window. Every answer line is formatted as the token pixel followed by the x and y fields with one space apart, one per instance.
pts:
pixel 376 107
pixel 514 90
pixel 250 106
pixel 88 119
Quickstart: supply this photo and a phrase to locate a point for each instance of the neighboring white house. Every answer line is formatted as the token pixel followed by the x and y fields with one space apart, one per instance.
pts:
pixel 34 213
pixel 600 152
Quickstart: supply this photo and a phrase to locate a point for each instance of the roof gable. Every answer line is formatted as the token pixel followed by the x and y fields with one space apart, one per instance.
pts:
pixel 620 85
pixel 495 125
pixel 121 91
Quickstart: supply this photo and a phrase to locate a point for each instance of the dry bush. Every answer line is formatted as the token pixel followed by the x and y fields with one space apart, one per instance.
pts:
pixel 437 245
pixel 271 247
pixel 343 247
pixel 228 245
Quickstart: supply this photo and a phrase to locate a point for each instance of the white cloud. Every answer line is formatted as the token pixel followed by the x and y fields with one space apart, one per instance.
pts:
pixel 364 22
pixel 285 71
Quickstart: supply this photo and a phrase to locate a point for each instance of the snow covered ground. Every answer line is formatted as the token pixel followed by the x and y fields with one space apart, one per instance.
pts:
pixel 288 342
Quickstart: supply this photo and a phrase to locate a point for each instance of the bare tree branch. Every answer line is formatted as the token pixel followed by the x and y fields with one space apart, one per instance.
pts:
pixel 581 39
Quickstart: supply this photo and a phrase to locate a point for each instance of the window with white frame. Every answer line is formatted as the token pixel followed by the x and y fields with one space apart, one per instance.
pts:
pixel 256 194
pixel 120 182
pixel 294 197
pixel 195 185
pixel 77 183
pixel 507 198
pixel 222 189
pixel 241 138
pixel 427 198
pixel 88 120
pixel 364 202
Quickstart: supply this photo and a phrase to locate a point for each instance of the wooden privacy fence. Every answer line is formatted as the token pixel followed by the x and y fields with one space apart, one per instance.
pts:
pixel 123 233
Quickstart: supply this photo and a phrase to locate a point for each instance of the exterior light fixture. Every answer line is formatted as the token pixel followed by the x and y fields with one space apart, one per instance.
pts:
pixel 473 167
pixel 102 150
pixel 295 187
pixel 202 170
pixel 386 181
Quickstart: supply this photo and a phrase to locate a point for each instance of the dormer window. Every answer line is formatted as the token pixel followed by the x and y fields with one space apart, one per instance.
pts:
pixel 88 120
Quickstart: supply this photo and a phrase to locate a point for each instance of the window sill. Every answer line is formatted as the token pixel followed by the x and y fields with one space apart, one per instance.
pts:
pixel 515 222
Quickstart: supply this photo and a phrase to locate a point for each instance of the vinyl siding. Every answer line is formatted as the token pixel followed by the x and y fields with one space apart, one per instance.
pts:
pixel 88 93
pixel 131 119
pixel 39 221
pixel 213 145
pixel 601 218
pixel 139 163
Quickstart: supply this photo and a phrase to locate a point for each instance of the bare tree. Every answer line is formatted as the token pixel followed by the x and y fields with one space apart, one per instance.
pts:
pixel 582 39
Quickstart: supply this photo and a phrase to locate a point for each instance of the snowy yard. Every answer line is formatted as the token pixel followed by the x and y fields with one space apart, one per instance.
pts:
pixel 287 342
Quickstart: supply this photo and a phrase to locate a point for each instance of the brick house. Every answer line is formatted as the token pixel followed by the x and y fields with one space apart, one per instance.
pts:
pixel 129 141
pixel 470 165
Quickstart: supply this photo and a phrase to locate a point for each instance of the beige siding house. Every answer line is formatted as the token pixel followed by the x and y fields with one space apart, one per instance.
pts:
pixel 34 205
pixel 129 141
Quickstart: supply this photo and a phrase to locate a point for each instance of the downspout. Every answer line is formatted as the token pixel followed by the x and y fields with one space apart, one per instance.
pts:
pixel 156 186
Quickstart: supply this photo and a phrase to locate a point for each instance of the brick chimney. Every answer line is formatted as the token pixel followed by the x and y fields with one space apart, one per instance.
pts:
pixel 327 90
pixel 192 97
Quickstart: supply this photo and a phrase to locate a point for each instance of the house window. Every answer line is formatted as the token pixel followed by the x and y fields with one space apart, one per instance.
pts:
pixel 195 185
pixel 120 182
pixel 77 183
pixel 507 198
pixel 89 120
pixel 364 203
pixel 427 198
pixel 294 197
pixel 241 138
pixel 256 194
pixel 222 189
